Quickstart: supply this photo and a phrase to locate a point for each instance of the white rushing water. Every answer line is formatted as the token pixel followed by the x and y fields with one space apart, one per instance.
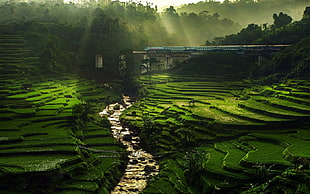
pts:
pixel 141 164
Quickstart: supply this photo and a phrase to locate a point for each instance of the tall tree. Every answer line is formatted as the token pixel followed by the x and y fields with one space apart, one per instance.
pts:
pixel 307 13
pixel 281 20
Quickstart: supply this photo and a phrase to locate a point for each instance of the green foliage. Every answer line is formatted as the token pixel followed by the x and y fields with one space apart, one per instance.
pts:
pixel 306 13
pixel 69 35
pixel 194 162
pixel 212 147
pixel 45 138
pixel 128 69
pixel 82 110
pixel 142 92
pixel 216 63
pixel 281 32
pixel 289 181
pixel 281 20
pixel 248 35
pixel 193 27
pixel 54 60
pixel 249 11
pixel 291 63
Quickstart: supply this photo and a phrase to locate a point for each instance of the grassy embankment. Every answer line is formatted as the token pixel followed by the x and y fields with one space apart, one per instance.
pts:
pixel 47 143
pixel 233 136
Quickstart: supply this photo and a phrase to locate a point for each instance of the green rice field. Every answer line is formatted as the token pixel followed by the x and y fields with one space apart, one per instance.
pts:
pixel 209 134
pixel 252 136
pixel 45 144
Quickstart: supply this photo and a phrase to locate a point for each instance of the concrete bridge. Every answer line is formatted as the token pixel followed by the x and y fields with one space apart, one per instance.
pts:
pixel 169 55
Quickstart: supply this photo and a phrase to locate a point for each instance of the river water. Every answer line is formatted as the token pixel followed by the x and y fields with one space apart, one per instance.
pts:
pixel 141 164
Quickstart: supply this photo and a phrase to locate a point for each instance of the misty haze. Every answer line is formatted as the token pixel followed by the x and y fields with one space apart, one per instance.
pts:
pixel 154 97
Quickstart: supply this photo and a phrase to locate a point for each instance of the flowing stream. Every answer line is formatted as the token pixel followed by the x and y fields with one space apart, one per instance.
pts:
pixel 141 164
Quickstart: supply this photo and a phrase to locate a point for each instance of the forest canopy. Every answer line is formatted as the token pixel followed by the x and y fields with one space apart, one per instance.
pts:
pixel 245 12
pixel 68 35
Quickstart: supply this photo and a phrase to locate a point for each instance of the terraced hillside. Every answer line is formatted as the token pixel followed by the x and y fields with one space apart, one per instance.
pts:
pixel 217 136
pixel 50 137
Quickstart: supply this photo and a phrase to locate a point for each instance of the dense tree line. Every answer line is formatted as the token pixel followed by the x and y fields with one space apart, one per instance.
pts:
pixel 249 11
pixel 193 27
pixel 282 31
pixel 68 36
pixel 292 62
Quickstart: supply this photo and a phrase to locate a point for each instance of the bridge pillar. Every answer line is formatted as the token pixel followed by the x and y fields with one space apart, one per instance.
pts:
pixel 168 62
pixel 99 61
pixel 146 65
pixel 261 59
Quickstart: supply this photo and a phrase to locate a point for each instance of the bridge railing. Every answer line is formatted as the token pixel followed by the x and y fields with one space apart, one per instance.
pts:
pixel 216 48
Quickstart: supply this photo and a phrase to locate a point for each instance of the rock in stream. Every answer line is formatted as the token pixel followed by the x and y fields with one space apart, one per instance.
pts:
pixel 141 164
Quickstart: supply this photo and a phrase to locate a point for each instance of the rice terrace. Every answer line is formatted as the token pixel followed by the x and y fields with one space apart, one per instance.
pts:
pixel 118 97
pixel 240 133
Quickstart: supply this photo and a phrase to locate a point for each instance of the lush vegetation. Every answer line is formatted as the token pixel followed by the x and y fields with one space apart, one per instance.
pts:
pixel 210 126
pixel 51 138
pixel 247 11
pixel 214 131
pixel 67 37
pixel 292 62
pixel 212 134
pixel 282 31
pixel 192 27
pixel 218 63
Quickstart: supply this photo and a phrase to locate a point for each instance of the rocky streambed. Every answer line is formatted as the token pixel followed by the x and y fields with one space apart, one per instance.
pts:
pixel 141 164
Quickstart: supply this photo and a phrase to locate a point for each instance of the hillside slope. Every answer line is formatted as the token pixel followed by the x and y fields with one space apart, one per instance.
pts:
pixel 51 138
